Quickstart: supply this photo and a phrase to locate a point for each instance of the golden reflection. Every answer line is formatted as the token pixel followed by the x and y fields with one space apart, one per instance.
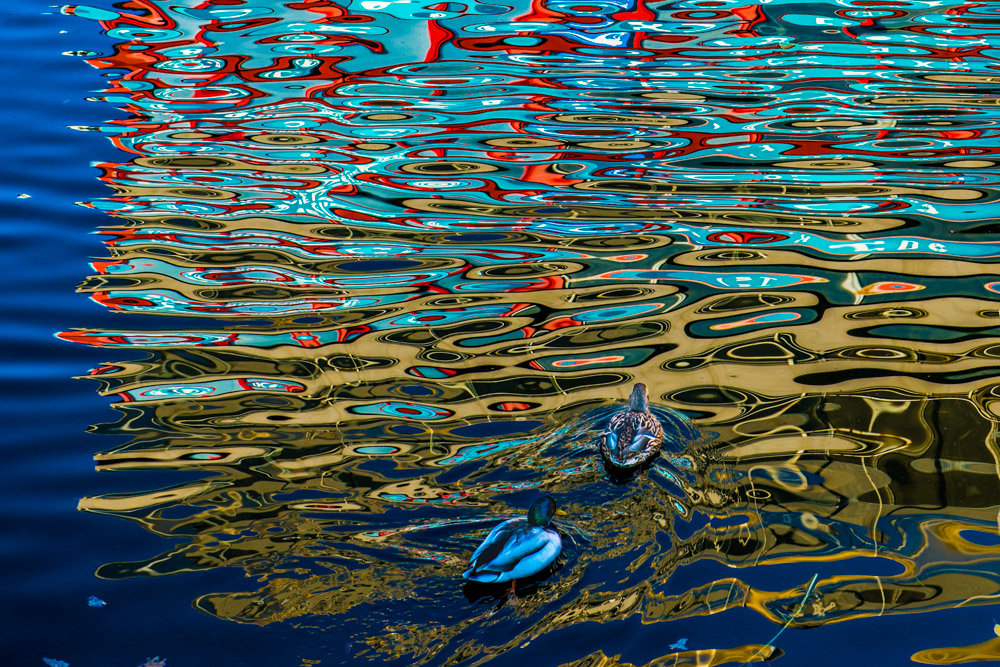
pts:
pixel 704 658
pixel 987 651
pixel 395 313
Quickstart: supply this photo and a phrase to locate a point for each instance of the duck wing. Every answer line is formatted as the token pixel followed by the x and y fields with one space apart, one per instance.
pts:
pixel 648 435
pixel 494 542
pixel 632 436
pixel 507 546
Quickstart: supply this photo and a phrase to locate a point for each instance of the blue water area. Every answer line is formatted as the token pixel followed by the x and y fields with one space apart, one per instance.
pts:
pixel 50 550
pixel 305 297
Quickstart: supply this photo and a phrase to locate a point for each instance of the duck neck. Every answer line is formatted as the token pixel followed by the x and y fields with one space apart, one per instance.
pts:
pixel 639 400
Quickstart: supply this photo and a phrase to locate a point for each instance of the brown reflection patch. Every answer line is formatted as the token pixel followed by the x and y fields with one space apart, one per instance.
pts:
pixel 701 658
pixel 285 139
pixel 625 120
pixel 737 302
pixel 616 145
pixel 891 313
pixel 987 651
pixel 955 534
pixel 792 445
pixel 128 503
pixel 768 190
pixel 832 165
pixel 914 266
pixel 732 256
pixel 842 123
pixel 172 193
pixel 449 167
pixel 970 164
pixel 209 163
pixel 534 270
pixel 281 599
pixel 523 142
pixel 176 458
pixel 387 116
pixel 962 78
pixel 581 212
pixel 674 97
pixel 618 242
pixel 927 100
pixel 190 135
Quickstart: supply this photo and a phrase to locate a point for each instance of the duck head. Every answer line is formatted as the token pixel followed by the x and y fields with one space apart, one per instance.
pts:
pixel 542 510
pixel 639 399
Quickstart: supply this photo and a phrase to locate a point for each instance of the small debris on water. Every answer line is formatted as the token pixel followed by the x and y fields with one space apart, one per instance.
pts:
pixel 94 601
pixel 23 196
pixel 52 662
pixel 680 645
pixel 154 662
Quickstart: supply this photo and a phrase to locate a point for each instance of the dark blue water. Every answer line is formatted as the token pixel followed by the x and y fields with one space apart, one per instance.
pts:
pixel 50 552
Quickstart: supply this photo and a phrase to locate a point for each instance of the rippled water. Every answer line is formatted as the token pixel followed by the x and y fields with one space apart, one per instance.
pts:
pixel 432 246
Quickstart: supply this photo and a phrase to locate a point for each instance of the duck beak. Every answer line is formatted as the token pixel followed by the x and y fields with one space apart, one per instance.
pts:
pixel 561 513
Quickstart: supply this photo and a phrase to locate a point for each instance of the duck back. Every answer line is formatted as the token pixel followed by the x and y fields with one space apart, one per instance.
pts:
pixel 513 550
pixel 632 438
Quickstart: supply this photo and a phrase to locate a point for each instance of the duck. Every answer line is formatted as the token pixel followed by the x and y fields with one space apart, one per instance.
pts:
pixel 633 435
pixel 518 548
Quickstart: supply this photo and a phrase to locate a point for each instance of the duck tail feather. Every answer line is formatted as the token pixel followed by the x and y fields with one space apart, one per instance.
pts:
pixel 482 576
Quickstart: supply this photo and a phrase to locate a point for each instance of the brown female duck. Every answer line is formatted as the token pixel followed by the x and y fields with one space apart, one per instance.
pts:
pixel 634 435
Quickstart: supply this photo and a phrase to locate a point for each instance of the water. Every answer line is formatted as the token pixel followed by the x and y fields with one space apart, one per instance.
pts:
pixel 372 276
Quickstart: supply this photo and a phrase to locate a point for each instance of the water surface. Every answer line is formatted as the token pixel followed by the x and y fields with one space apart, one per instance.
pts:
pixel 388 268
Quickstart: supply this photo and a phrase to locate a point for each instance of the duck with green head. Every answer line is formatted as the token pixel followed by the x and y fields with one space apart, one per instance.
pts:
pixel 517 548
pixel 634 435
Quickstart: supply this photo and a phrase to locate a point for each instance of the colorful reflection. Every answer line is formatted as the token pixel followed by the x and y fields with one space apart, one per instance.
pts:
pixel 433 246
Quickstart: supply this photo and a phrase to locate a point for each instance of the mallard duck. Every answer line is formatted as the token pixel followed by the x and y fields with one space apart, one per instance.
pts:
pixel 517 548
pixel 633 436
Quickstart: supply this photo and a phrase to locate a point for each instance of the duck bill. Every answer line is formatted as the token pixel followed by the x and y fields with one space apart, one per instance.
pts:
pixel 561 513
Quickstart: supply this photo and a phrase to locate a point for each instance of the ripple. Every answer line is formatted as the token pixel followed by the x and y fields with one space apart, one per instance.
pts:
pixel 434 247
